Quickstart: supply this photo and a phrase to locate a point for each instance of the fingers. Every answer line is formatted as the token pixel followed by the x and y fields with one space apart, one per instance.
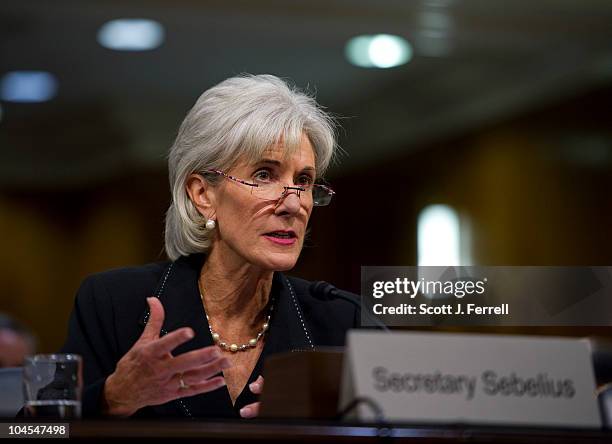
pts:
pixel 257 386
pixel 251 410
pixel 155 321
pixel 202 373
pixel 193 359
pixel 202 387
pixel 172 340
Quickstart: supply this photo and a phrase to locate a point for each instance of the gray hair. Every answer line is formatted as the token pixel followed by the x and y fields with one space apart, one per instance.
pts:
pixel 239 118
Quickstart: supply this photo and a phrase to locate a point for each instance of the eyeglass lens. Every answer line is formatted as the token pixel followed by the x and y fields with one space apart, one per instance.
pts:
pixel 274 191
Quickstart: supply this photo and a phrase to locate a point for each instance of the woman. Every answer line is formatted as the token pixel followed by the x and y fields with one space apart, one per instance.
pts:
pixel 188 338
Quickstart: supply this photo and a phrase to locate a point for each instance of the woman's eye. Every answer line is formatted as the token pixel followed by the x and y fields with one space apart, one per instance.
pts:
pixel 262 176
pixel 305 180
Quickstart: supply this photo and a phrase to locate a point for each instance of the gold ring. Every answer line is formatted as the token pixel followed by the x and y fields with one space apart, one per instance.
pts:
pixel 182 384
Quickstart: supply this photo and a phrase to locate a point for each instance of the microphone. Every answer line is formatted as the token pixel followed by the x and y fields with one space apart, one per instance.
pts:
pixel 325 291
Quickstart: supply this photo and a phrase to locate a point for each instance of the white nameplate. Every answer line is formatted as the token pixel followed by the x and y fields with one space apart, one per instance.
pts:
pixel 471 378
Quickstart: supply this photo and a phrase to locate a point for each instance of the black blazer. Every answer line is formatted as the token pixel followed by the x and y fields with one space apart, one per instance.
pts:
pixel 110 312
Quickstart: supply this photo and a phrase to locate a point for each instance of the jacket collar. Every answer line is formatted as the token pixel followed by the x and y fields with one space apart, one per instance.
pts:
pixel 180 296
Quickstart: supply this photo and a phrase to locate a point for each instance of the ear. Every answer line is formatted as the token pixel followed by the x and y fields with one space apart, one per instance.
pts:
pixel 202 195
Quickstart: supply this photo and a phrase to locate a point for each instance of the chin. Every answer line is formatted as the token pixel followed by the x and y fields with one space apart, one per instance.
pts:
pixel 279 262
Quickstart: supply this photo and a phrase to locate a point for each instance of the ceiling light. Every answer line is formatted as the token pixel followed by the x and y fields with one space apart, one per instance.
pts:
pixel 433 37
pixel 435 20
pixel 28 86
pixel 131 34
pixel 378 51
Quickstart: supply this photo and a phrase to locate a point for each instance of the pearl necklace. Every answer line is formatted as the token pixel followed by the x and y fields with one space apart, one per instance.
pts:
pixel 242 347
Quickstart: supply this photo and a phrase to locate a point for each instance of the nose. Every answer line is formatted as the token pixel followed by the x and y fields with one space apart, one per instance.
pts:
pixel 289 203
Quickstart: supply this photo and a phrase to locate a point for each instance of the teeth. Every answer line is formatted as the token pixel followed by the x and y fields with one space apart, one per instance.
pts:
pixel 284 235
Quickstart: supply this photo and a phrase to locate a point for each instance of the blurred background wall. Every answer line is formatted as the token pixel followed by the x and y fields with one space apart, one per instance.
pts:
pixel 499 110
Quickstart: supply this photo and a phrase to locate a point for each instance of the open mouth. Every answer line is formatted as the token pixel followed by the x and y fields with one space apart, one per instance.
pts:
pixel 282 234
pixel 282 237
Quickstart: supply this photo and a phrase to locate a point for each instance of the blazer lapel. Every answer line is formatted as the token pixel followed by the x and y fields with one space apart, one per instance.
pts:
pixel 286 332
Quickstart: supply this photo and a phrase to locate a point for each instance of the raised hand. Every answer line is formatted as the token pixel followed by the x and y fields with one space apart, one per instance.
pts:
pixel 148 374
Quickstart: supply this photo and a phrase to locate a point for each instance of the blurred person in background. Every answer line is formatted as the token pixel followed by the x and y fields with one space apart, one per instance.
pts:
pixel 16 342
pixel 188 337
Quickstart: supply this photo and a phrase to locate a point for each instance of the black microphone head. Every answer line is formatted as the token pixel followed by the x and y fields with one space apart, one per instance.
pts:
pixel 322 290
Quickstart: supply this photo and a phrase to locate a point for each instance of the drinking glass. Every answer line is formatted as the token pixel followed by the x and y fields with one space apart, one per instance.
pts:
pixel 52 386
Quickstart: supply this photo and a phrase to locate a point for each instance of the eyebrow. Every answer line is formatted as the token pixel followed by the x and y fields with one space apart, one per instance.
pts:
pixel 278 164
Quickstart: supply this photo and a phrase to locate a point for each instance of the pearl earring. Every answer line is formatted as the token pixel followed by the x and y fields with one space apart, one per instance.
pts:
pixel 210 224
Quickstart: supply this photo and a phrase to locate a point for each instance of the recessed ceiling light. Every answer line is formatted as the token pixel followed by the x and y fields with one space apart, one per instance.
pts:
pixel 435 20
pixel 433 37
pixel 28 86
pixel 131 34
pixel 378 51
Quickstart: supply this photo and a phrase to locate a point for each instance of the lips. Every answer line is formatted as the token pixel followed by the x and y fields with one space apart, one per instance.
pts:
pixel 281 237
pixel 282 234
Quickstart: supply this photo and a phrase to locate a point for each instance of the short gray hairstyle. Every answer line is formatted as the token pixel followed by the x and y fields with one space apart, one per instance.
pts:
pixel 239 118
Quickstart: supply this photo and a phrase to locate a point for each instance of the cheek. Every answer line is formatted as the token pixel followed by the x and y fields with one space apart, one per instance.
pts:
pixel 238 218
pixel 308 213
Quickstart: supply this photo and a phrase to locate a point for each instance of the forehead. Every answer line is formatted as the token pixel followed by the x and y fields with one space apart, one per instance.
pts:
pixel 302 155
